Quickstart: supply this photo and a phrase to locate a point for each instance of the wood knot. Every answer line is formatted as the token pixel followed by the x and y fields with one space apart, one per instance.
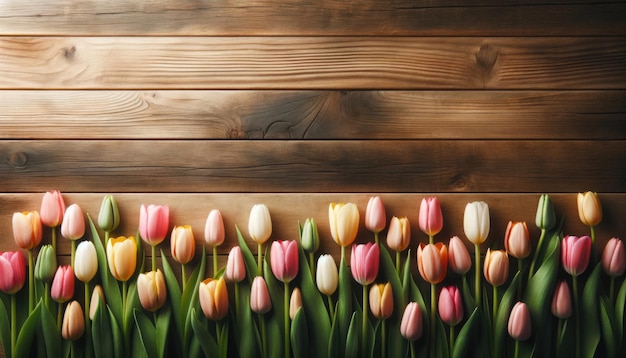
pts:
pixel 487 56
pixel 18 159
pixel 70 52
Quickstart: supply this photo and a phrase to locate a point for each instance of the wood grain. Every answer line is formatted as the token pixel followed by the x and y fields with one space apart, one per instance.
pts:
pixel 313 114
pixel 321 17
pixel 312 63
pixel 312 166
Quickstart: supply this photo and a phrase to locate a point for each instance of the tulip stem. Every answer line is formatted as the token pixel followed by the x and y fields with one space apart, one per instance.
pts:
pixel 124 294
pixel 496 302
pixel 519 281
pixel 312 265
pixel 214 261
pixel 452 339
pixel 593 234
pixel 398 262
pixel 287 330
pixel 72 353
pixel 376 238
pixel 383 343
pixel 259 259
pixel 153 258
pixel 331 307
pixel 364 326
pixel 477 274
pixel 612 289
pixel 73 253
pixel 54 240
pixel 87 321
pixel 263 336
pixel 433 309
pixel 183 274
pixel 431 239
pixel 13 323
pixel 46 294
pixel 536 255
pixel 577 315
pixel 559 334
pixel 412 348
pixel 237 300
pixel 31 282
pixel 59 316
pixel 516 348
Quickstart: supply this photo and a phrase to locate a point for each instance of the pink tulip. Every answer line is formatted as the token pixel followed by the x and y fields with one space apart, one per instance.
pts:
pixel 614 258
pixel 517 240
pixel 450 305
pixel 73 225
pixel 364 262
pixel 562 301
pixel 154 221
pixel 12 272
pixel 284 260
pixel 430 217
pixel 375 216
pixel 458 256
pixel 183 244
pixel 575 253
pixel 52 209
pixel 496 267
pixel 381 300
pixel 63 284
pixel 235 267
pixel 519 322
pixel 432 262
pixel 214 228
pixel 399 234
pixel 411 326
pixel 27 230
pixel 260 301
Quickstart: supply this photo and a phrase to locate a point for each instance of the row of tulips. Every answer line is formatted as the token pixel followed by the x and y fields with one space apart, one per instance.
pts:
pixel 290 300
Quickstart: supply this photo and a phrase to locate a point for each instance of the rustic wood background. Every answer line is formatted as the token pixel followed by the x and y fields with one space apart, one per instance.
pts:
pixel 295 104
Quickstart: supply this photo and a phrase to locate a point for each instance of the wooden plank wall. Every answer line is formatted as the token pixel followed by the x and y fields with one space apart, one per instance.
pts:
pixel 295 104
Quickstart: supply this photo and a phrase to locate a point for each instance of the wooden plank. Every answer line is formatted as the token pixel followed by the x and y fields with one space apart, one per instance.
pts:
pixel 312 63
pixel 287 209
pixel 313 114
pixel 312 166
pixel 272 17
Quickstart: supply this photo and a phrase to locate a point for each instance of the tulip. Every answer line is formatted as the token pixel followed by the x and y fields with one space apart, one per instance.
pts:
pixel 260 296
pixel 575 253
pixel 235 267
pixel 73 322
pixel 109 215
pixel 295 303
pixel 12 272
pixel 52 209
pixel 260 223
pixel 375 216
pixel 27 230
pixel 46 264
pixel 63 284
pixel 476 222
pixel 589 208
pixel 344 223
pixel 284 260
pixel 458 256
pixel 213 296
pixel 519 322
pixel 517 240
pixel 432 262
pixel 381 300
pixel 411 325
pixel 122 257
pixel 496 267
pixel 450 305
pixel 327 276
pixel 183 244
pixel 214 228
pixel 151 290
pixel 73 225
pixel 364 263
pixel 545 217
pixel 86 263
pixel 154 221
pixel 562 301
pixel 97 299
pixel 399 234
pixel 614 258
pixel 310 236
pixel 430 217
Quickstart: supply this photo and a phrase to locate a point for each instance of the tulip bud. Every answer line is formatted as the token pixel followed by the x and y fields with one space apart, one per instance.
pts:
pixel 27 229
pixel 73 322
pixel 545 218
pixel 496 268
pixel 399 234
pixel 589 208
pixel 121 257
pixel 344 223
pixel 63 284
pixel 213 296
pixel 295 302
pixel 310 236
pixel 375 216
pixel 109 215
pixel 450 305
pixel 562 301
pixel 284 260
pixel 411 325
pixel 183 245
pixel 575 253
pixel 458 256
pixel 154 221
pixel 85 261
pixel 260 223
pixel 432 262
pixel 97 299
pixel 430 216
pixel 476 222
pixel 517 240
pixel 260 301
pixel 52 209
pixel 614 258
pixel 327 276
pixel 214 233
pixel 73 225
pixel 519 322
pixel 46 264
pixel 364 263
pixel 235 267
pixel 12 272
pixel 151 290
pixel 381 300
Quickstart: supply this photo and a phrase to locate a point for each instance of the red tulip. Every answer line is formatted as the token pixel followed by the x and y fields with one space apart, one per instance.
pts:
pixel 562 301
pixel 260 301
pixel 614 258
pixel 214 228
pixel 63 284
pixel 73 225
pixel 519 322
pixel 284 260
pixel 496 268
pixel 154 221
pixel 575 253
pixel 12 272
pixel 430 216
pixel 27 229
pixel 458 256
pixel 411 326
pixel 364 262
pixel 235 267
pixel 517 240
pixel 432 262
pixel 52 209
pixel 375 216
pixel 450 305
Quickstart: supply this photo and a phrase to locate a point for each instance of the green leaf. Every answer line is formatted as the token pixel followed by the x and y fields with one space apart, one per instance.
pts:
pixel 51 336
pixel 442 341
pixel 396 344
pixel 339 329
pixel 174 294
pixel 353 336
pixel 222 344
pixel 300 336
pixel 162 325
pixel 620 302
pixel 248 345
pixel 590 314
pixel 203 337
pixel 101 332
pixel 502 316
pixel 147 333
pixel 189 300
pixel 5 329
pixel 465 335
pixel 26 335
pixel 608 324
pixel 117 349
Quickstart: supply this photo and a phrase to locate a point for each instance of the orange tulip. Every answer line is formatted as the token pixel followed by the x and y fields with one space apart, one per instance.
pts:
pixel 213 297
pixel 27 229
pixel 122 257
pixel 432 262
pixel 517 239
pixel 496 267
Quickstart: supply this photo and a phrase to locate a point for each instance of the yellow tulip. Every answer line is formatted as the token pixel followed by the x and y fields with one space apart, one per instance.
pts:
pixel 151 290
pixel 589 208
pixel 344 223
pixel 183 244
pixel 122 257
pixel 213 297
